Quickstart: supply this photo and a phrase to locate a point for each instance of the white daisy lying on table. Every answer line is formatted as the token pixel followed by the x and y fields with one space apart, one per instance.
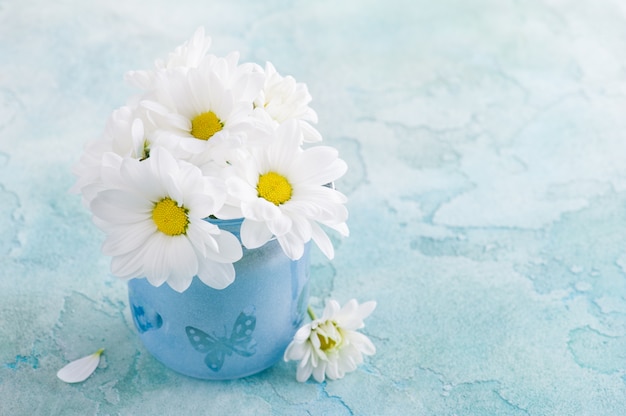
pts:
pixel 330 346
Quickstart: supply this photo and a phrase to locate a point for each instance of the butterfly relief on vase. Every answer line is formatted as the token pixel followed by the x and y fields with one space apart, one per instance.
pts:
pixel 218 347
pixel 146 319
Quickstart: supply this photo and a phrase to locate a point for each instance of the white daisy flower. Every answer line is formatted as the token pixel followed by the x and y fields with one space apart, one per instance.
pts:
pixel 207 109
pixel 282 99
pixel 188 55
pixel 280 192
pixel 330 346
pixel 125 134
pixel 79 370
pixel 153 213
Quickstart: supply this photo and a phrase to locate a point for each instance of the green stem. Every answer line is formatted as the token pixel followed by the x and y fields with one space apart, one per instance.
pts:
pixel 311 313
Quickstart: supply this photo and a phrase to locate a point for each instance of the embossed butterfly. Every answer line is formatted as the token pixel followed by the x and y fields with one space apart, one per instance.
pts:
pixel 146 318
pixel 217 347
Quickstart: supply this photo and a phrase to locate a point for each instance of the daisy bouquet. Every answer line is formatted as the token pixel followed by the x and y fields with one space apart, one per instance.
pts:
pixel 209 138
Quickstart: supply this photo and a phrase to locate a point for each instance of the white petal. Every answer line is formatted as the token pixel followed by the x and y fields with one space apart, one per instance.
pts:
pixel 341 228
pixel 121 240
pixel 366 308
pixel 80 369
pixel 281 152
pixel 303 333
pixel 291 245
pixel 114 213
pixel 229 248
pixel 332 370
pixel 352 314
pixel 319 372
pixel 128 265
pixel 361 342
pixel 228 212
pixel 319 165
pixel 330 310
pixel 240 189
pixel 167 169
pixel 303 373
pixel 308 357
pixel 254 233
pixel 260 209
pixel 321 239
pixel 154 259
pixel 201 240
pixel 139 177
pixel 302 207
pixel 280 225
pixel 202 206
pixel 181 262
pixel 216 275
pixel 129 201
pixel 320 195
pixel 202 235
pixel 349 359
pixel 310 133
pixel 297 351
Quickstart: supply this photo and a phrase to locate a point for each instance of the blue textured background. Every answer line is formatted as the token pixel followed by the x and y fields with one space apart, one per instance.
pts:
pixel 487 149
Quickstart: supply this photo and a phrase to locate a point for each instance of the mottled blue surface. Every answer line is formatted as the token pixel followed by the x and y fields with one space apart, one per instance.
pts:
pixel 487 149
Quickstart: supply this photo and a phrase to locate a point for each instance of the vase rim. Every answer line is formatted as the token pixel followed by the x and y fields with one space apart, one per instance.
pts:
pixel 219 221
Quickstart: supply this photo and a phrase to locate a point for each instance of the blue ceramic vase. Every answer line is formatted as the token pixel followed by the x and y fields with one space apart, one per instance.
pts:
pixel 229 333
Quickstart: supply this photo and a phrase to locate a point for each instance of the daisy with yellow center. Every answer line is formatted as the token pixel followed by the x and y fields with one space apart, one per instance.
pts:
pixel 280 192
pixel 206 110
pixel 153 214
pixel 331 346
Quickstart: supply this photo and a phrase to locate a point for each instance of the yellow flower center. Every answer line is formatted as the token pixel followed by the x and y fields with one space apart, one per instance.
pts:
pixel 205 125
pixel 326 343
pixel 274 187
pixel 169 218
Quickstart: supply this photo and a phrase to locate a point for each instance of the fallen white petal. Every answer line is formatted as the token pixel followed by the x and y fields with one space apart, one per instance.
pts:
pixel 79 370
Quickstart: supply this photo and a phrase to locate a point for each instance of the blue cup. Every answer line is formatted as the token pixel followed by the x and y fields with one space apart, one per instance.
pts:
pixel 229 333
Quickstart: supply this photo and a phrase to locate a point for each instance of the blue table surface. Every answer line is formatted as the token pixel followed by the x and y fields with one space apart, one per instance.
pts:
pixel 486 144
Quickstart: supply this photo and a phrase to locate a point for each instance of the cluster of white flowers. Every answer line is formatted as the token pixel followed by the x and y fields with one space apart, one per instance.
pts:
pixel 209 137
